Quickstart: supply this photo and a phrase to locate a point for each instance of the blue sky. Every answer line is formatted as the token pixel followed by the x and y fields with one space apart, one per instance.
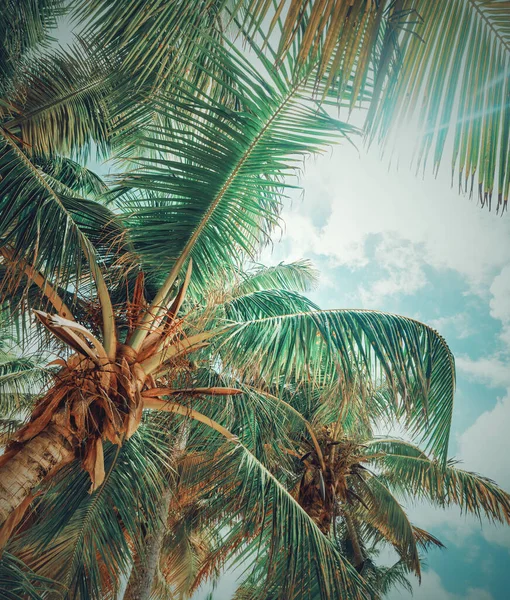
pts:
pixel 386 239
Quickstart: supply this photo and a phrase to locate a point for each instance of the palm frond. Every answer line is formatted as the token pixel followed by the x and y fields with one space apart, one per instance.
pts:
pixel 410 471
pixel 18 582
pixel 87 545
pixel 214 187
pixel 44 223
pixel 23 26
pixel 450 75
pixel 63 101
pixel 298 276
pixel 355 346
pixel 386 516
pixel 300 562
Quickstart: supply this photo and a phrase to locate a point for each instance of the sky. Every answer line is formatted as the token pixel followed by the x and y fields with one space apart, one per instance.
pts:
pixel 387 239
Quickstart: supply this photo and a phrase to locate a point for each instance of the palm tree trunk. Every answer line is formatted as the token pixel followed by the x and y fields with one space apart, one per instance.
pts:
pixel 21 473
pixel 358 559
pixel 142 576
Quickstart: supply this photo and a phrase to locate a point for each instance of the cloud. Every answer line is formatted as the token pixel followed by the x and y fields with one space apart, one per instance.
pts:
pixel 404 268
pixel 458 324
pixel 500 303
pixel 364 199
pixel 484 448
pixel 492 370
pixel 431 588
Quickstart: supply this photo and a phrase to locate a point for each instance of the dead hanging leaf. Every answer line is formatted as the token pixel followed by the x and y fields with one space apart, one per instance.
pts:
pixel 34 427
pixel 211 391
pixel 138 303
pixel 93 463
pixel 68 337
pixel 13 520
pixel 134 418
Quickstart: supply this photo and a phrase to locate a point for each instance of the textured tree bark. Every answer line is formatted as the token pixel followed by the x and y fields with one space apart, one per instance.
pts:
pixel 142 576
pixel 21 473
pixel 356 548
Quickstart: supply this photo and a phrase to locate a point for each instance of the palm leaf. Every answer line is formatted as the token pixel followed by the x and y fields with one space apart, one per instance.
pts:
pixel 63 101
pixel 43 222
pixel 355 346
pixel 18 582
pixel 23 26
pixel 410 471
pixel 297 276
pixel 87 546
pixel 450 76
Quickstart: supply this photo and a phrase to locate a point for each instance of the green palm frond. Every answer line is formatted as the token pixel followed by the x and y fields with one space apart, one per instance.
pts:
pixel 18 582
pixel 385 579
pixel 298 276
pixel 43 222
pixel 266 304
pixel 410 471
pixel 355 346
pixel 212 188
pixel 72 175
pixel 385 516
pixel 156 40
pixel 450 75
pixel 23 26
pixel 298 560
pixel 63 101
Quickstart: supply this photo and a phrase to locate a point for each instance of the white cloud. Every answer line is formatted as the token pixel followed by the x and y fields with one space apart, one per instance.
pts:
pixel 432 588
pixel 459 324
pixel 492 370
pixel 447 230
pixel 404 267
pixel 500 302
pixel 485 446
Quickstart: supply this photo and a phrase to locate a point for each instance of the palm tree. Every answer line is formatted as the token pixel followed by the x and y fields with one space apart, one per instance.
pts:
pixel 211 141
pixel 352 485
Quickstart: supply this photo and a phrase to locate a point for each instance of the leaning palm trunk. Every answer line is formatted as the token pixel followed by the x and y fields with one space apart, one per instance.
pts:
pixel 23 471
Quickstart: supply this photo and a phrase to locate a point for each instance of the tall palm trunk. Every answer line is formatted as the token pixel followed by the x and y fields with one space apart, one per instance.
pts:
pixel 358 559
pixel 21 473
pixel 142 576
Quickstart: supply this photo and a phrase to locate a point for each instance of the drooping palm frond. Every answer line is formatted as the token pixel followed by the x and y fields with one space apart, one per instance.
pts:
pixel 299 561
pixel 409 471
pixel 23 26
pixel 72 175
pixel 45 224
pixel 63 101
pixel 156 40
pixel 18 582
pixel 440 69
pixel 351 345
pixel 388 521
pixel 450 81
pixel 21 380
